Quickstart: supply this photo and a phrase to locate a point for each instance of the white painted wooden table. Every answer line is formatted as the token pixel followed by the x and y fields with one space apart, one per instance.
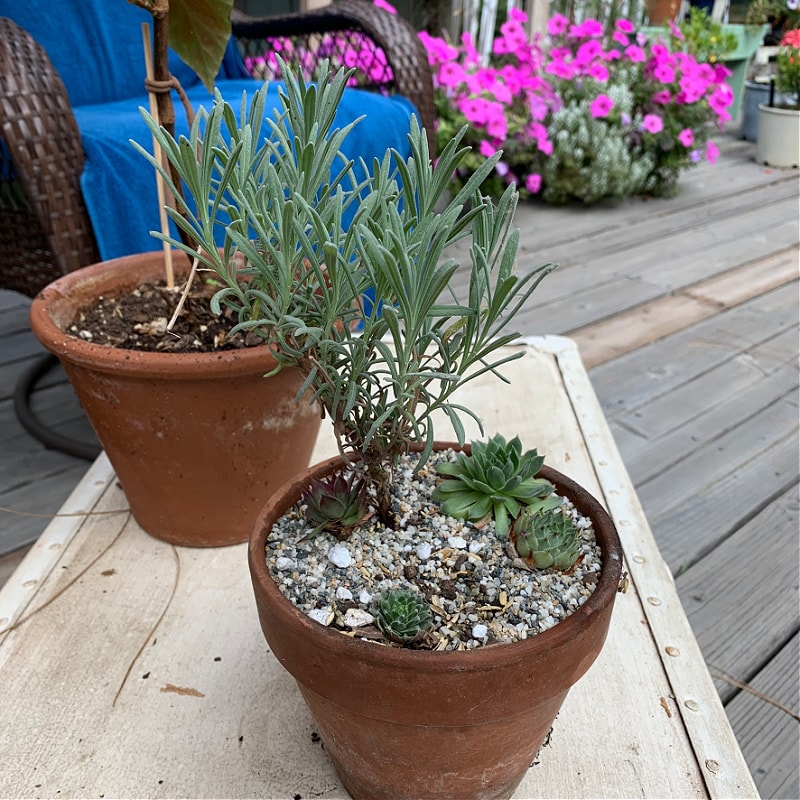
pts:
pixel 136 669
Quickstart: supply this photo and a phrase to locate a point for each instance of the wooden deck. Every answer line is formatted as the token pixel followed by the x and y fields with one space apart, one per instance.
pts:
pixel 686 314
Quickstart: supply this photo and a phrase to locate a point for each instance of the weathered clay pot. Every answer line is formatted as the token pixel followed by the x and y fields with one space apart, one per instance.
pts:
pixel 199 441
pixel 401 723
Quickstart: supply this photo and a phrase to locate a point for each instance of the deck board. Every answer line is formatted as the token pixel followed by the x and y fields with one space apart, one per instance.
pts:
pixel 769 736
pixel 687 310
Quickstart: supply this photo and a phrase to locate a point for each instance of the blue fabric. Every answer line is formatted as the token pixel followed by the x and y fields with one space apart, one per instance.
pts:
pixel 119 186
pixel 96 46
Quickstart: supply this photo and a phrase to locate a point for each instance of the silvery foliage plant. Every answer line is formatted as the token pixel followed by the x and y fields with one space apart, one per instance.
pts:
pixel 277 188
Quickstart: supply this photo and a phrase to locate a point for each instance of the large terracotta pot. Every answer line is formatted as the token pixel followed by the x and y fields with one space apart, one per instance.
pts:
pixel 401 723
pixel 199 441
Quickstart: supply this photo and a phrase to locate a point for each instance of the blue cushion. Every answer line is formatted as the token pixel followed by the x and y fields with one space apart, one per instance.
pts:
pixel 119 185
pixel 96 46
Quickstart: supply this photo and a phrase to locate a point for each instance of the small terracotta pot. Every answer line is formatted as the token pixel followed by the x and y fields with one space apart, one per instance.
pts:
pixel 401 723
pixel 199 441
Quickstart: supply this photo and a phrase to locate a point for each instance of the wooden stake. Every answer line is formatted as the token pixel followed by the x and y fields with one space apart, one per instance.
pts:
pixel 160 186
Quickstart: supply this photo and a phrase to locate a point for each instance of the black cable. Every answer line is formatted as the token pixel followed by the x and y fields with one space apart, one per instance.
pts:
pixel 50 438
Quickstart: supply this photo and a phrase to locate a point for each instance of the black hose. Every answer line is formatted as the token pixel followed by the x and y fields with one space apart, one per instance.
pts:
pixel 50 438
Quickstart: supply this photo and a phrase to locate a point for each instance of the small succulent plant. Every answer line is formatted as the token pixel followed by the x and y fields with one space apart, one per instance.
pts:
pixel 543 538
pixel 403 615
pixel 336 504
pixel 496 481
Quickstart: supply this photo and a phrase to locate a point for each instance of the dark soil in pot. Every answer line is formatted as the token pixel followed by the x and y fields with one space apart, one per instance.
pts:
pixel 402 723
pixel 199 440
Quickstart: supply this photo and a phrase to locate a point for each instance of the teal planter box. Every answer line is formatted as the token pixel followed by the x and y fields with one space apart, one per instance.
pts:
pixel 750 38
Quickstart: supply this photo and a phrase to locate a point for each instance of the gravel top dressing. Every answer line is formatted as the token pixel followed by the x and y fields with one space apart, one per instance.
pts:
pixel 478 595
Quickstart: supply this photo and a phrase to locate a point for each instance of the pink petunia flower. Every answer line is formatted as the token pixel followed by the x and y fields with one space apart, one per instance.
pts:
pixel 686 137
pixel 635 54
pixel 652 123
pixel 601 106
pixel 712 152
pixel 662 97
pixel 557 24
pixel 533 183
pixel 598 72
pixel 676 31
pixel 385 6
pixel 625 25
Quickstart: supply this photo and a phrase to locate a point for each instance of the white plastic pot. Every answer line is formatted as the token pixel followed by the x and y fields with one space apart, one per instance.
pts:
pixel 778 142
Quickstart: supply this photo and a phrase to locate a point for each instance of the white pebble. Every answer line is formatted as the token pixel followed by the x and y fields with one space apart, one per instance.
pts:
pixel 457 542
pixel 340 556
pixel 282 563
pixel 475 547
pixel 424 551
pixel 479 631
pixel 365 598
pixel 343 594
pixel 322 615
pixel 357 618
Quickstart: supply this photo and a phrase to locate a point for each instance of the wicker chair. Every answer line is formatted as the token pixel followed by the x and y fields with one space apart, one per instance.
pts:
pixel 45 229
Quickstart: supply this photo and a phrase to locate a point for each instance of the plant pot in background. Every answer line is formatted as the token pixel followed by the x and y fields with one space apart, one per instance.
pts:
pixel 778 142
pixel 199 441
pixel 755 93
pixel 749 38
pixel 659 12
pixel 400 723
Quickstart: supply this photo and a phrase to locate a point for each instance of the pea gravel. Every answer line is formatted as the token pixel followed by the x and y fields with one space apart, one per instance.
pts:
pixel 477 594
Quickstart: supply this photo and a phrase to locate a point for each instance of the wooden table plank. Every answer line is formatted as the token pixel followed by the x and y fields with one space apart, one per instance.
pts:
pixel 148 675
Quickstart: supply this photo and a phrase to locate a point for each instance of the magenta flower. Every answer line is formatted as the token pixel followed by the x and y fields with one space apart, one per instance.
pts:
pixel 652 123
pixel 676 31
pixel 686 137
pixel 620 38
pixel 588 29
pixel 662 98
pixel 486 149
pixel 385 6
pixel 624 25
pixel 635 54
pixel 598 72
pixel 533 183
pixel 601 106
pixel 712 152
pixel 557 24
pixel 664 73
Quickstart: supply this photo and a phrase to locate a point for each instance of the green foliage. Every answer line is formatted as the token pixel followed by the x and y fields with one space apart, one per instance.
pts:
pixel 788 75
pixel 544 539
pixel 336 504
pixel 704 38
pixel 592 157
pixel 494 482
pixel 295 274
pixel 403 615
pixel 199 31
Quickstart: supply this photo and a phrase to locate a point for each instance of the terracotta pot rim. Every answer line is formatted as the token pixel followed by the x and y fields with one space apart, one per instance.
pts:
pixel 93 280
pixel 478 658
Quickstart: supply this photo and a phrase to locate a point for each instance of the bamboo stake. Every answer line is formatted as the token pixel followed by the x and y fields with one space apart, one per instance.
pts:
pixel 161 188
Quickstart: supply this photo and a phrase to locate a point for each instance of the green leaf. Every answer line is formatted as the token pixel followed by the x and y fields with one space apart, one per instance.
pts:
pixel 199 31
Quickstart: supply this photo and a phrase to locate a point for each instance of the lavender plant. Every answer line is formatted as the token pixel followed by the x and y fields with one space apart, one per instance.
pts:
pixel 295 274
